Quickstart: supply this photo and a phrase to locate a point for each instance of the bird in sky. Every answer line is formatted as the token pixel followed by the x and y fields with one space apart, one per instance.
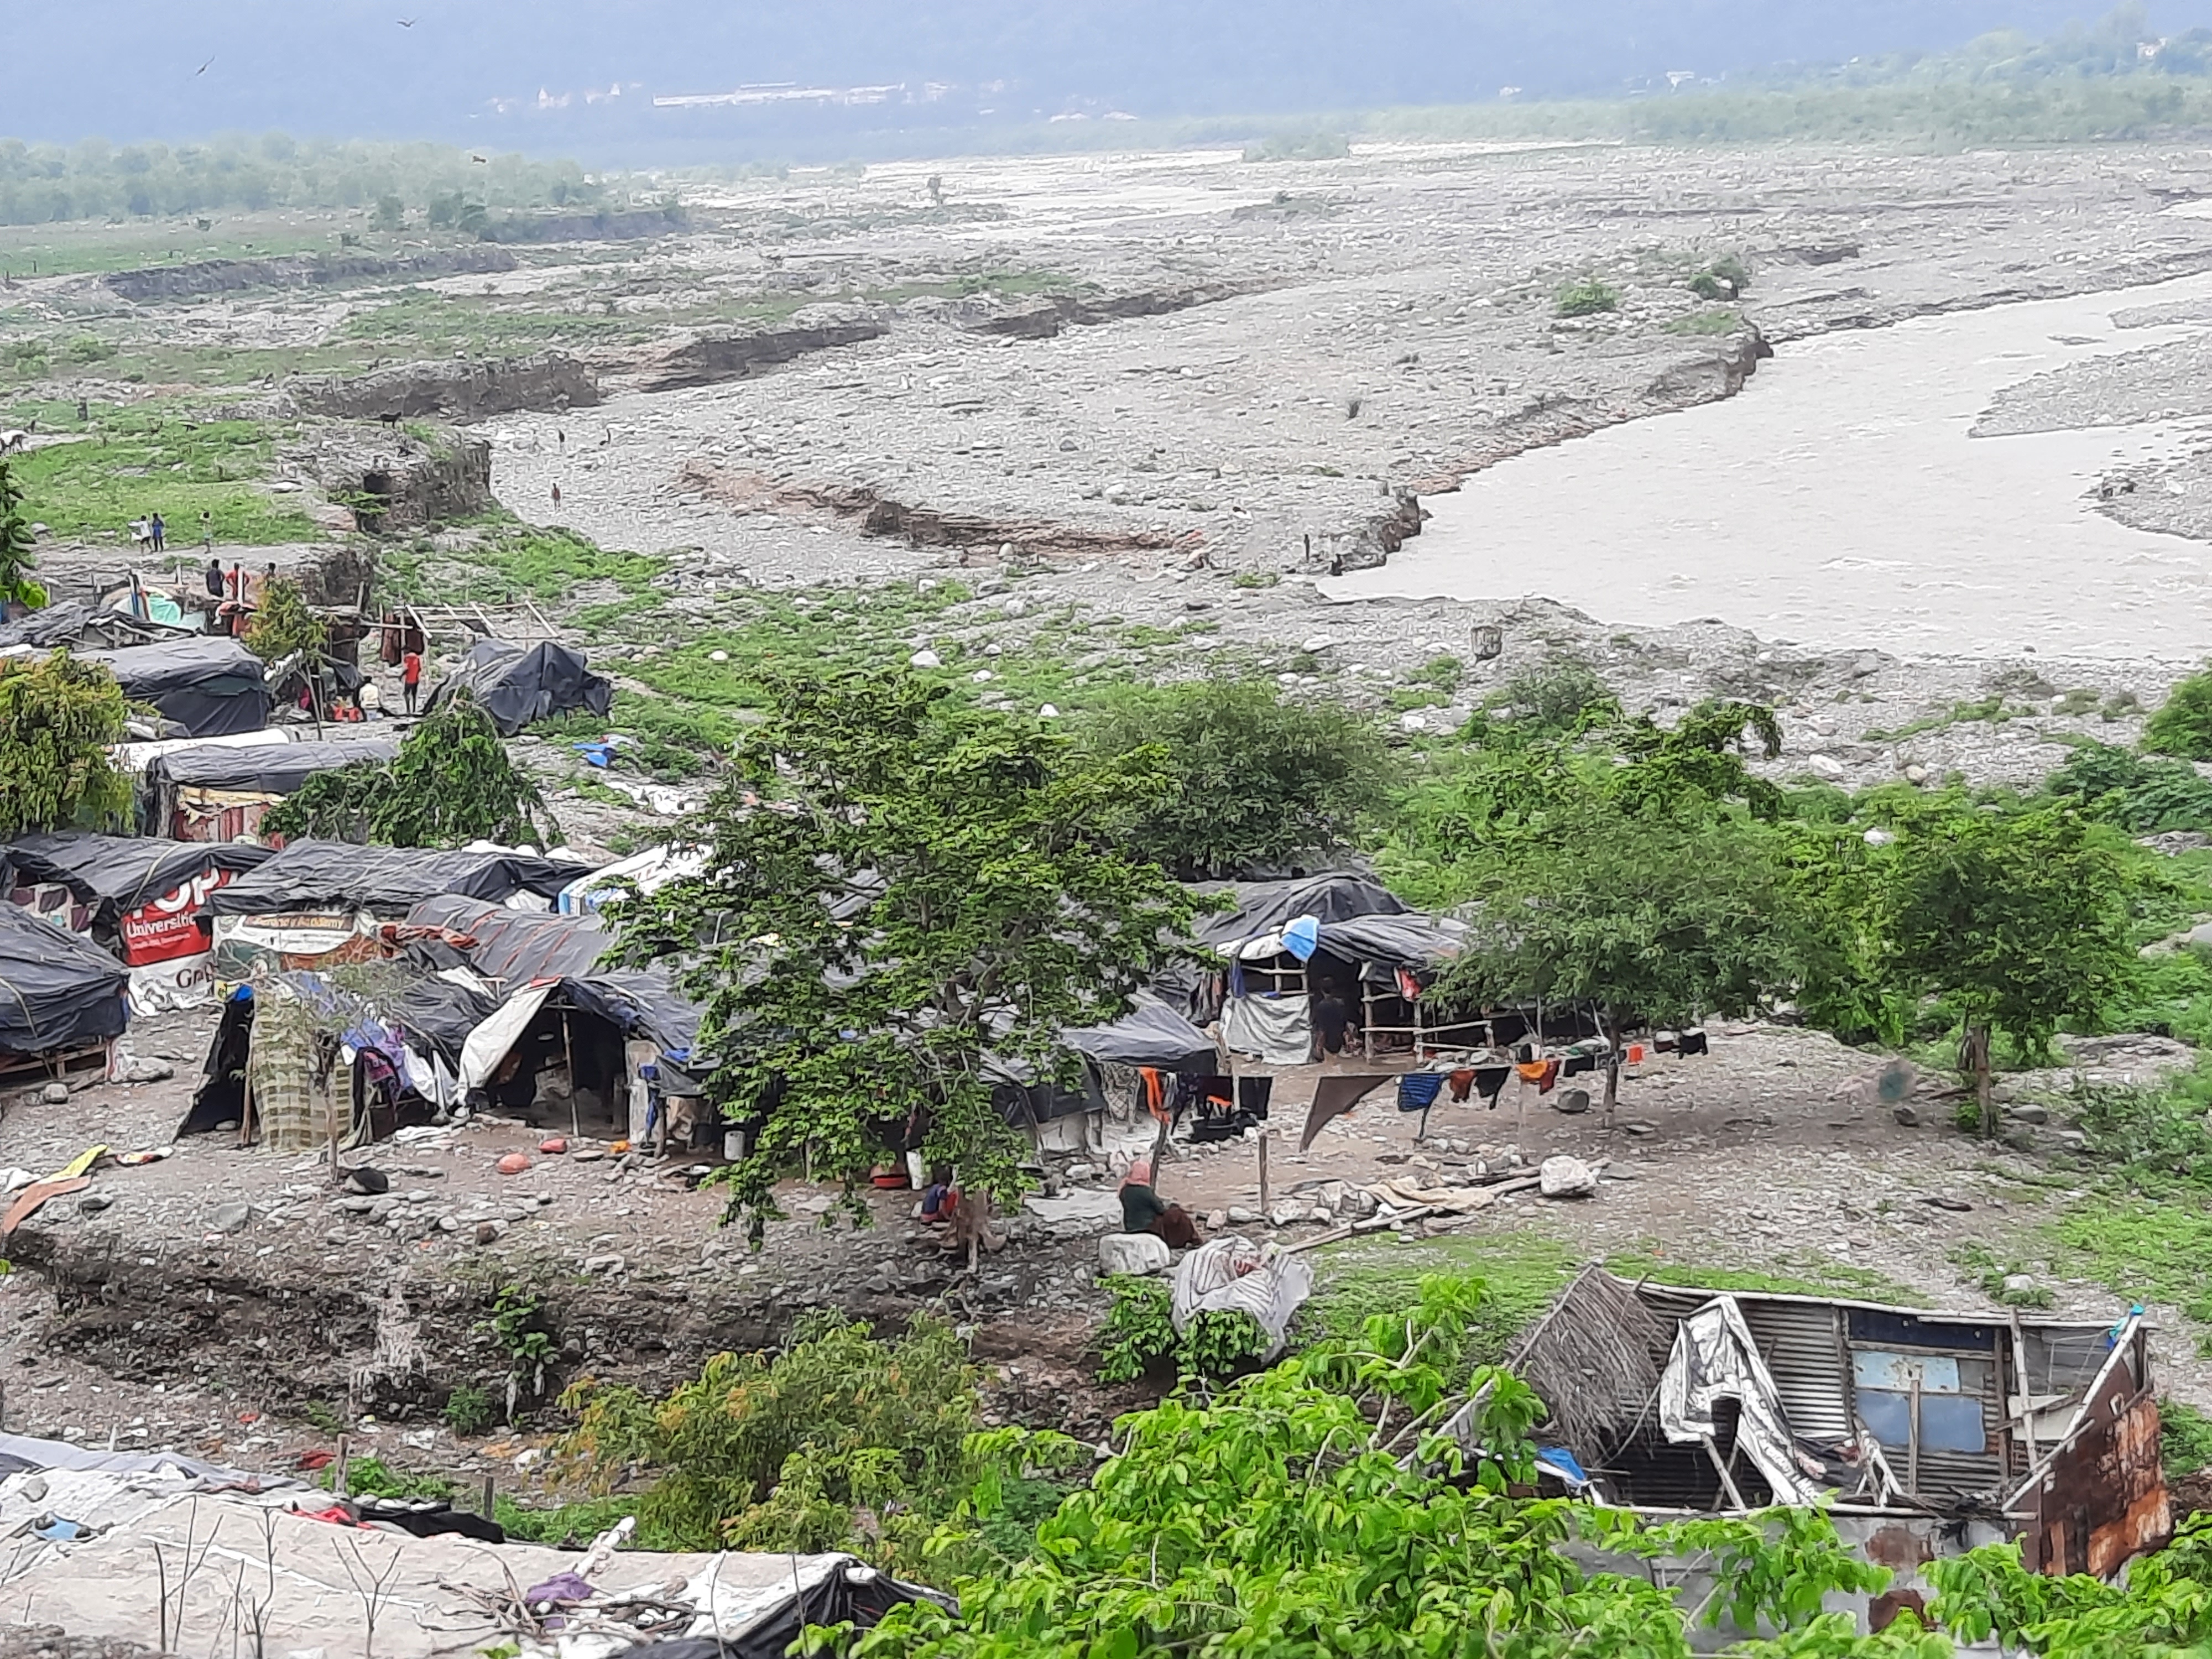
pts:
pixel 203 69
pixel 473 157
pixel 406 22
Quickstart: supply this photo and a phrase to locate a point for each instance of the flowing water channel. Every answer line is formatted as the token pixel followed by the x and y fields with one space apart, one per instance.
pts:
pixel 1839 501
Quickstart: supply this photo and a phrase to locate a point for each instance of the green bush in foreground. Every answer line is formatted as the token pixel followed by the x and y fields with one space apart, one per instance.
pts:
pixel 2183 724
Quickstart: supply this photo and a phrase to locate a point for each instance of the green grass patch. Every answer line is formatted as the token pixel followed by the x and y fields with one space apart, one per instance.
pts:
pixel 1720 320
pixel 2185 1438
pixel 163 463
pixel 1381 1274
pixel 2147 1248
pixel 674 740
pixel 1805 1273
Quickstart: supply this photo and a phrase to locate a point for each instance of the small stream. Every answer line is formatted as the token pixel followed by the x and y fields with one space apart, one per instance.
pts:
pixel 1839 502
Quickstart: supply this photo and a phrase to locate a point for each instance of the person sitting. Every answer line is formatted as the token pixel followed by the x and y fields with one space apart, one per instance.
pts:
pixel 1144 1211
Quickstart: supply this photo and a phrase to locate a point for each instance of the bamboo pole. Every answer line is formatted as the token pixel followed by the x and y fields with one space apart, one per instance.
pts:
pixel 568 1052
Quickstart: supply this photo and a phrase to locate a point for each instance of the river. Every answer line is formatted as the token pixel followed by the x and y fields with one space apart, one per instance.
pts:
pixel 1837 501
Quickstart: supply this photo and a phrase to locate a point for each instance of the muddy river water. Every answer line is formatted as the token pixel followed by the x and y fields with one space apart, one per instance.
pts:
pixel 1840 502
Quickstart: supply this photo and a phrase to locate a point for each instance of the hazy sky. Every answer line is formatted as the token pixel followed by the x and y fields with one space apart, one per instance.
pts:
pixel 557 73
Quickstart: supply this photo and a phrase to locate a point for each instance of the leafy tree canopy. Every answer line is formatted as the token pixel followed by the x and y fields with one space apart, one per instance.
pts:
pixel 899 892
pixel 283 622
pixel 2016 921
pixel 1257 781
pixel 58 717
pixel 18 554
pixel 452 782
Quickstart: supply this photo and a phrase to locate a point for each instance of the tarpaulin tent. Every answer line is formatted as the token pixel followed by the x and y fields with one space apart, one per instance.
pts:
pixel 144 901
pixel 516 687
pixel 216 792
pixel 389 881
pixel 1151 1034
pixel 1268 907
pixel 58 991
pixel 320 903
pixel 210 686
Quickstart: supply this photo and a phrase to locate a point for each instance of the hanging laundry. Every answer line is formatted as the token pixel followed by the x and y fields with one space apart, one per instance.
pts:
pixel 1302 937
pixel 1635 1054
pixel 1665 1042
pixel 1252 1094
pixel 1693 1043
pixel 1152 1090
pixel 1577 1064
pixel 1408 986
pixel 1461 1081
pixel 1490 1082
pixel 1417 1091
pixel 1533 1071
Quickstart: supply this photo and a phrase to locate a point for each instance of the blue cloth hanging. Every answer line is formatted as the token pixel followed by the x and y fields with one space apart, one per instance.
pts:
pixel 1417 1091
pixel 1302 937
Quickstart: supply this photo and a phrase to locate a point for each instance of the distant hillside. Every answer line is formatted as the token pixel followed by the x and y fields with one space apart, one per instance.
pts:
pixel 799 77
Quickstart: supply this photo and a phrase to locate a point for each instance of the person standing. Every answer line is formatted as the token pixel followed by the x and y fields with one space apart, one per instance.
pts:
pixel 207 532
pixel 214 578
pixel 161 533
pixel 410 677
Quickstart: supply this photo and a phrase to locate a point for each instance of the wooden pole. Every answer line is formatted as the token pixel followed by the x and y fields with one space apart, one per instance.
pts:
pixel 339 1478
pixel 2026 1388
pixel 1263 1172
pixel 568 1052
pixel 1913 1445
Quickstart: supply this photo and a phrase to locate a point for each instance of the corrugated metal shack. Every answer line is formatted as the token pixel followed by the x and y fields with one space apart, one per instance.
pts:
pixel 1924 1433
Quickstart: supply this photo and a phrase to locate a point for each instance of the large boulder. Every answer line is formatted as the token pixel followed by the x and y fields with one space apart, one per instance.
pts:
pixel 1561 1176
pixel 1132 1253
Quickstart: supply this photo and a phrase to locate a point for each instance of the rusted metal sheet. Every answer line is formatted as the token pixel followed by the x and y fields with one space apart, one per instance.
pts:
pixel 2102 1499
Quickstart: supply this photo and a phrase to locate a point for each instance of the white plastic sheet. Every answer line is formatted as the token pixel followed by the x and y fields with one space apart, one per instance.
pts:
pixel 1278 1029
pixel 1235 1275
pixel 1714 1359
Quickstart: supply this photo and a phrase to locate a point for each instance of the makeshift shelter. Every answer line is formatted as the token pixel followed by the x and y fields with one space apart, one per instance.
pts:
pixel 298 1059
pixel 221 792
pixel 517 687
pixel 210 686
pixel 143 901
pixel 570 1034
pixel 439 1581
pixel 79 627
pixel 320 903
pixel 64 1002
pixel 1338 950
pixel 1921 1434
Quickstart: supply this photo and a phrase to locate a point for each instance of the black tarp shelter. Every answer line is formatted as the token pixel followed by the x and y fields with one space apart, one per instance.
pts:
pixel 57 989
pixel 1151 1034
pixel 1267 907
pixel 516 687
pixel 386 881
pixel 112 875
pixel 267 772
pixel 210 686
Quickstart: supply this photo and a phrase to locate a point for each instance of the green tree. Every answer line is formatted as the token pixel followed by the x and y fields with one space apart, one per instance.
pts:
pixel 18 551
pixel 2015 922
pixel 2183 724
pixel 452 782
pixel 900 891
pixel 1664 916
pixel 1256 780
pixel 283 624
pixel 59 719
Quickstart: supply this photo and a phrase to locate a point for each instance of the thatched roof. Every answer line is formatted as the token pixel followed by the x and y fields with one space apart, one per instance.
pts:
pixel 1594 1360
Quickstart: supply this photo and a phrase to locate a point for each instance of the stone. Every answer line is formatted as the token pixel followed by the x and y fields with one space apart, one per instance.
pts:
pixel 93 1203
pixel 925 659
pixel 603 1264
pixel 718 656
pixel 2020 1285
pixel 360 1204
pixel 1878 837
pixel 1216 1220
pixel 1572 1102
pixel 55 1094
pixel 1240 1216
pixel 367 1181
pixel 449 1224
pixel 1908 1117
pixel 553 1145
pixel 1290 1213
pixel 1134 1254
pixel 1916 774
pixel 1825 766
pixel 2028 1111
pixel 514 1163
pixel 230 1217
pixel 1561 1176
pixel 488 1232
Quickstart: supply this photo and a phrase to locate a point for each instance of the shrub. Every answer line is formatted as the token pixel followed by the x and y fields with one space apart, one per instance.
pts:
pixel 1586 298
pixel 2183 724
